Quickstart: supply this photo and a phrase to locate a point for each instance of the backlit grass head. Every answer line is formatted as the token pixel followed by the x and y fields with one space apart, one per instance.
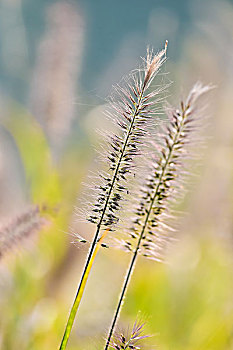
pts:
pixel 162 182
pixel 130 339
pixel 133 108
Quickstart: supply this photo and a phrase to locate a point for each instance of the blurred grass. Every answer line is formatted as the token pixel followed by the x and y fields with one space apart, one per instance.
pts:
pixel 189 303
pixel 41 175
pixel 28 301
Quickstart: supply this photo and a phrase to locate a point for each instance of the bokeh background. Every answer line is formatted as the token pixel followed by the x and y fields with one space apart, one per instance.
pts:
pixel 58 61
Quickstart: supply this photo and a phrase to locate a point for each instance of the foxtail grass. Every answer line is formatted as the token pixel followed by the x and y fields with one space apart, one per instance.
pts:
pixel 133 108
pixel 129 339
pixel 20 228
pixel 149 232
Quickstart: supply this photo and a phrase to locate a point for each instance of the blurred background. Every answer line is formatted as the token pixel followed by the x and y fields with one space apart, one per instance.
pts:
pixel 58 61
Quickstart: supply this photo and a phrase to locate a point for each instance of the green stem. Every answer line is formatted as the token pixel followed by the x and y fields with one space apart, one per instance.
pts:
pixel 93 249
pixel 127 280
pixel 91 256
pixel 133 261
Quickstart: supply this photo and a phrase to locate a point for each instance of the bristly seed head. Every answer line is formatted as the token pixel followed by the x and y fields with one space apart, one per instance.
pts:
pixel 167 172
pixel 153 63
pixel 129 339
pixel 133 107
pixel 20 228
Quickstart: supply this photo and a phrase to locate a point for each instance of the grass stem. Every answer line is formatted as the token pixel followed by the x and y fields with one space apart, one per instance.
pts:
pixel 133 261
pixel 92 254
pixel 94 248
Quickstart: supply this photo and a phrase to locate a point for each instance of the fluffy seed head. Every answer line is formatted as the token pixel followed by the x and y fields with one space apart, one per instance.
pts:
pixel 153 63
pixel 20 228
pixel 129 339
pixel 166 174
pixel 133 107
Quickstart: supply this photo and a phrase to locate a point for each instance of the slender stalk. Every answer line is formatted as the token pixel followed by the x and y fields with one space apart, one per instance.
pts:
pixel 94 249
pixel 133 261
pixel 139 109
pixel 79 293
pixel 123 292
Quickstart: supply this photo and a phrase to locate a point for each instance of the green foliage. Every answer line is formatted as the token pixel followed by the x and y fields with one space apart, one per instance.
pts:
pixel 41 174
